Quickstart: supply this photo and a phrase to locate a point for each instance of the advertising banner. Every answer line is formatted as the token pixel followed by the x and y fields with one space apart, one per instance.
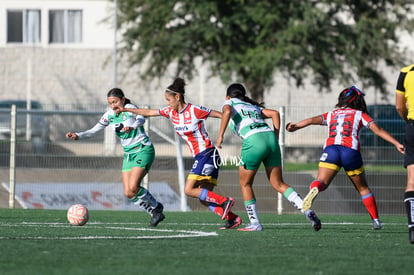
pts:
pixel 95 196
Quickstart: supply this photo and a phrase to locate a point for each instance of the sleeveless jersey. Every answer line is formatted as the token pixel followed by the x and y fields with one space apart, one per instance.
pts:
pixel 344 125
pixel 129 141
pixel 246 119
pixel 189 125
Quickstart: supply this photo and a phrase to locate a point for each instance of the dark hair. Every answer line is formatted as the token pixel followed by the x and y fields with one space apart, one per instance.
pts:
pixel 177 88
pixel 353 98
pixel 237 90
pixel 116 92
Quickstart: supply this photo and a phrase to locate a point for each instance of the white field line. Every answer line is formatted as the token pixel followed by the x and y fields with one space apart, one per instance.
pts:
pixel 175 233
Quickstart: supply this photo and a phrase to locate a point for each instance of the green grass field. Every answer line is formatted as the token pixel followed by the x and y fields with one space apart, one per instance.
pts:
pixel 113 242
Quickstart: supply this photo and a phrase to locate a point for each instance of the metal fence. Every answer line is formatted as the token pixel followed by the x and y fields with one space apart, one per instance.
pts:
pixel 54 172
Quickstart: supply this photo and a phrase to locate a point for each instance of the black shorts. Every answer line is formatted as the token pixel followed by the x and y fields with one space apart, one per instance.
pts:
pixel 409 144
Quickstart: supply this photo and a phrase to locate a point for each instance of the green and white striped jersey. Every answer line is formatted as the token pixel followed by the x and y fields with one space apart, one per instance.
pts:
pixel 130 141
pixel 246 119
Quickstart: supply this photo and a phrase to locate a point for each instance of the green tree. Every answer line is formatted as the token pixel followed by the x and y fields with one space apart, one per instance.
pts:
pixel 251 40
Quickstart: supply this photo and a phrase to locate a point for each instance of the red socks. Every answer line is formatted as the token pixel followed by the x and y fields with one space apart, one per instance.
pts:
pixel 371 205
pixel 216 198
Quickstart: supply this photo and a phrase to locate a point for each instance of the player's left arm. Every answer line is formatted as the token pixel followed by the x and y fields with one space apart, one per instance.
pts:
pixel 382 133
pixel 275 116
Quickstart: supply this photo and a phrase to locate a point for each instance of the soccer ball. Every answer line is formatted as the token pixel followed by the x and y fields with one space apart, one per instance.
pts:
pixel 78 215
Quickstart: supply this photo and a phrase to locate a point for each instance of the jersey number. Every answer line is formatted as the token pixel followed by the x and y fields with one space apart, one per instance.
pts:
pixel 346 129
pixel 250 114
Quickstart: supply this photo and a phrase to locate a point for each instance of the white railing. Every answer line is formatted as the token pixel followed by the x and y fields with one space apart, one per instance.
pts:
pixel 65 161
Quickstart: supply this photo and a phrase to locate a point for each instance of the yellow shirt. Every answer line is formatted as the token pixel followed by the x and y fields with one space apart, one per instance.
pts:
pixel 405 86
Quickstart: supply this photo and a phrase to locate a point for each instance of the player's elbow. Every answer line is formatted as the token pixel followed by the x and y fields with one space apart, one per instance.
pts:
pixel 400 109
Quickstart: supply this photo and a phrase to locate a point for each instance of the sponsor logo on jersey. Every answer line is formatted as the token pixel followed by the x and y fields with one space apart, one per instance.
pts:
pixel 181 128
pixel 187 117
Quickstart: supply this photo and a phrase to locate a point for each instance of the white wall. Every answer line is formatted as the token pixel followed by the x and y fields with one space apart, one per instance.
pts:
pixel 96 34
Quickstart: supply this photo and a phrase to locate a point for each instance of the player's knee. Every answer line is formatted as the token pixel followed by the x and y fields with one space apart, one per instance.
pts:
pixel 188 190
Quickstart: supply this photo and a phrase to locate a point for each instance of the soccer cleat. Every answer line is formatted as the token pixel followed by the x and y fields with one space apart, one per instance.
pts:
pixel 157 215
pixel 230 224
pixel 315 221
pixel 307 201
pixel 252 227
pixel 376 224
pixel 227 205
pixel 411 234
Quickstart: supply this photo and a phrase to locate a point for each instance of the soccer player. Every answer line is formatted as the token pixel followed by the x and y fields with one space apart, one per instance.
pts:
pixel 342 147
pixel 404 103
pixel 188 122
pixel 138 151
pixel 260 145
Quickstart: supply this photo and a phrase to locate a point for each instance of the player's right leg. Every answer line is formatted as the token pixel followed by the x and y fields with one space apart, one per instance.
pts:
pixel 134 169
pixel 312 194
pixel 409 190
pixel 246 180
pixel 203 178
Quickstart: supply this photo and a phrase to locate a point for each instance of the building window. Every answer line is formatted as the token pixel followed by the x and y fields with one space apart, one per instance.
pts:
pixel 65 26
pixel 23 26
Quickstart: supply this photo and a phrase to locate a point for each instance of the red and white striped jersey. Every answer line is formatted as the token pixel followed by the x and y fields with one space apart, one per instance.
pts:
pixel 344 125
pixel 189 124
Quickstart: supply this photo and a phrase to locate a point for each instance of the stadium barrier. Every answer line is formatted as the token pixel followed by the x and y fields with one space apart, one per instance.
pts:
pixel 64 163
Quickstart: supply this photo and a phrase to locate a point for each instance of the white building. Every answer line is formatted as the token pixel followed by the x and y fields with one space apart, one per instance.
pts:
pixel 61 52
